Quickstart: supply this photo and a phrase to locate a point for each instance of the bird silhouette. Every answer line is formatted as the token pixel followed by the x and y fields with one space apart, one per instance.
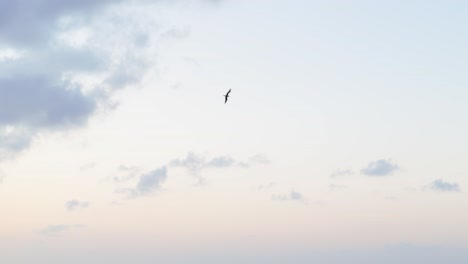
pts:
pixel 226 96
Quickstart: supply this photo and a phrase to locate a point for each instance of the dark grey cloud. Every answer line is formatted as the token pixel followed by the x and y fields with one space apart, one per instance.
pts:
pixel 443 186
pixel 38 102
pixel 380 168
pixel 38 89
pixel 148 183
pixel 41 88
pixel 75 204
pixel 56 229
pixel 291 196
pixel 33 104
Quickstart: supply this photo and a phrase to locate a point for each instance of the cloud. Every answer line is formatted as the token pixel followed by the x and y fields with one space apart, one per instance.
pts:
pixel 221 162
pixel 341 173
pixel 63 61
pixel 195 163
pixel 56 229
pixel 75 204
pixel 39 87
pixel 37 102
pixel 192 162
pixel 379 168
pixel 443 186
pixel 24 22
pixel 148 183
pixel 259 159
pixel 126 173
pixel 291 196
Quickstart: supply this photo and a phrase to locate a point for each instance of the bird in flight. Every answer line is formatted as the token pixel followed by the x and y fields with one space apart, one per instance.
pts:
pixel 226 96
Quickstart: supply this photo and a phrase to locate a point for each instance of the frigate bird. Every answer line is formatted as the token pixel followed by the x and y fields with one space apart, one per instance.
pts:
pixel 226 96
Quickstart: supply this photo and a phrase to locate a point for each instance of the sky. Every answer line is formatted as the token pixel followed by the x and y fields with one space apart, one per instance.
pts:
pixel 343 139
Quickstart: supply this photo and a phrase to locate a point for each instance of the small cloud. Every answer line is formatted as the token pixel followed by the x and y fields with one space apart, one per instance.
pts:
pixel 259 159
pixel 220 162
pixel 75 204
pixel 291 196
pixel 126 173
pixel 379 168
pixel 443 186
pixel 341 173
pixel 192 162
pixel 195 164
pixel 147 183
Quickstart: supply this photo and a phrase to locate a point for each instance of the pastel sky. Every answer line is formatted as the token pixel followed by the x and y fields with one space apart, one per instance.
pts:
pixel 344 140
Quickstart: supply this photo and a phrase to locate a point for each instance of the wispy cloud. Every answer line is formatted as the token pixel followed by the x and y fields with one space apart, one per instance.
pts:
pixel 264 187
pixel 75 204
pixel 341 173
pixel 258 159
pixel 337 187
pixel 380 168
pixel 291 196
pixel 126 173
pixel 57 229
pixel 196 163
pixel 443 186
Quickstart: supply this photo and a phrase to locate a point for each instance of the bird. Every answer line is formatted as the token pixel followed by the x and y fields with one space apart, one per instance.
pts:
pixel 226 96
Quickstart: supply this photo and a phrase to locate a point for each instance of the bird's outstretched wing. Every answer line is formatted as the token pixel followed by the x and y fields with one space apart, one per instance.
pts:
pixel 228 92
pixel 225 99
